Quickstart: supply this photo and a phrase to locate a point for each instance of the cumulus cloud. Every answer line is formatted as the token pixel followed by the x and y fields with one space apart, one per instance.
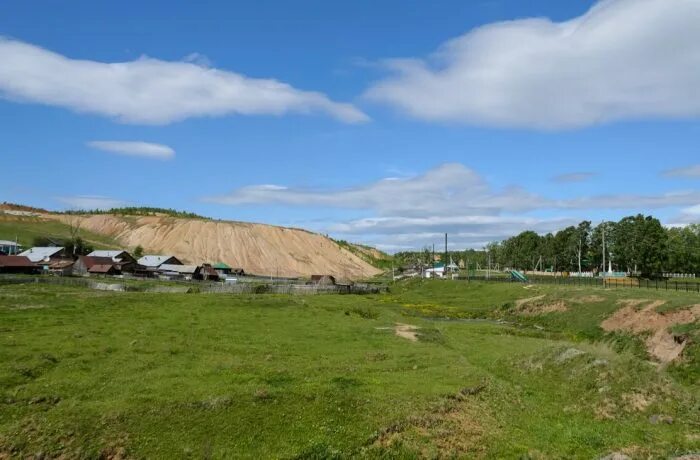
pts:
pixel 569 178
pixel 151 91
pixel 688 172
pixel 622 60
pixel 90 202
pixel 413 211
pixel 134 148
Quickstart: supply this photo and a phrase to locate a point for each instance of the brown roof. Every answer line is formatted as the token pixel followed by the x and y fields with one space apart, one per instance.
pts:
pixel 15 261
pixel 103 268
pixel 91 261
pixel 61 264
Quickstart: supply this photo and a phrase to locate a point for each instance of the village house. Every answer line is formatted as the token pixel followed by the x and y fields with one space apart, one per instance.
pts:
pixel 149 265
pixel 155 261
pixel 86 265
pixel 175 271
pixel 116 255
pixel 17 264
pixel 44 255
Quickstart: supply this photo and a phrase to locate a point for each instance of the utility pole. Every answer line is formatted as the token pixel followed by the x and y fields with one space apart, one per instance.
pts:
pixel 445 261
pixel 603 225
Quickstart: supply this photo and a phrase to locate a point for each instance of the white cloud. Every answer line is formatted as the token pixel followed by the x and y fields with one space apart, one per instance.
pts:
pixel 411 212
pixel 151 91
pixel 623 59
pixel 689 215
pixel 445 190
pixel 569 178
pixel 687 172
pixel 134 148
pixel 89 202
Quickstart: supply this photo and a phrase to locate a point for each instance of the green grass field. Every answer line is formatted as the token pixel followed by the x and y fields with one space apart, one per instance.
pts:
pixel 88 374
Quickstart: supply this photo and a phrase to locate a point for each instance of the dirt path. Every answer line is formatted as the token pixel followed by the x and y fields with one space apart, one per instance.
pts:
pixel 661 343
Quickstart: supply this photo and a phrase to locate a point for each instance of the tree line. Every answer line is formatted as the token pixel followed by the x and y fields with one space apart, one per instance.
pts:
pixel 638 244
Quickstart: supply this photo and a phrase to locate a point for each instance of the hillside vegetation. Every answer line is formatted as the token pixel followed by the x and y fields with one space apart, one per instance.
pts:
pixel 27 228
pixel 410 374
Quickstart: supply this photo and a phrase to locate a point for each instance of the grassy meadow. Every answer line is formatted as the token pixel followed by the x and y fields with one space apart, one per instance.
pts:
pixel 90 374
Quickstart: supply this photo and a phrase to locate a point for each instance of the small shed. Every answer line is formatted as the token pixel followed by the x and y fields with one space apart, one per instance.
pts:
pixel 323 280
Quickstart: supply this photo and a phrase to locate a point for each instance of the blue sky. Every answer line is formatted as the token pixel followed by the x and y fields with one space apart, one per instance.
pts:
pixel 386 122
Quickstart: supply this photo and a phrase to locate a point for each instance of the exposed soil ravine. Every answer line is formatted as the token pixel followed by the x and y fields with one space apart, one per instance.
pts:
pixel 661 343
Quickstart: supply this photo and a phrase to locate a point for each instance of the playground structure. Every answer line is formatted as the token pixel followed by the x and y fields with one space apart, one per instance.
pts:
pixel 518 276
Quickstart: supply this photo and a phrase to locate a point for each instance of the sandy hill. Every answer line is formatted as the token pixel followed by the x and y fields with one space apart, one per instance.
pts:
pixel 257 248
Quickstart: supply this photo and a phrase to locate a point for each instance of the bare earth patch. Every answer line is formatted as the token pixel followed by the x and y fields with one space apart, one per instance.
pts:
pixel 589 299
pixel 536 305
pixel 407 331
pixel 661 344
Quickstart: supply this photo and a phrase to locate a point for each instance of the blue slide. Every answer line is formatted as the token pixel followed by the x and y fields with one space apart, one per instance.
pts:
pixel 518 276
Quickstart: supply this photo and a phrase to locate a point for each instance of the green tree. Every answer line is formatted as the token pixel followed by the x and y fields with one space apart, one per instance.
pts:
pixel 138 252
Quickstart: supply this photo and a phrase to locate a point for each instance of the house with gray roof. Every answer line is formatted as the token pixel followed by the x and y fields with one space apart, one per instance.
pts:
pixel 155 261
pixel 117 255
pixel 45 254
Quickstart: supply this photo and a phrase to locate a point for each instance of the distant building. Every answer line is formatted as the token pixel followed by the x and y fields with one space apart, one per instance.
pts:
pixel 323 280
pixel 17 264
pixel 9 248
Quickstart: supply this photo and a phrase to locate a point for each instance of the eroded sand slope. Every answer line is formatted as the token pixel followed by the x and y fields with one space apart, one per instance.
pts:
pixel 257 248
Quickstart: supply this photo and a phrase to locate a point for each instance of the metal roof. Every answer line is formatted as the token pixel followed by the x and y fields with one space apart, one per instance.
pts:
pixel 153 260
pixel 113 254
pixel 187 269
pixel 38 254
pixel 8 243
pixel 178 268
